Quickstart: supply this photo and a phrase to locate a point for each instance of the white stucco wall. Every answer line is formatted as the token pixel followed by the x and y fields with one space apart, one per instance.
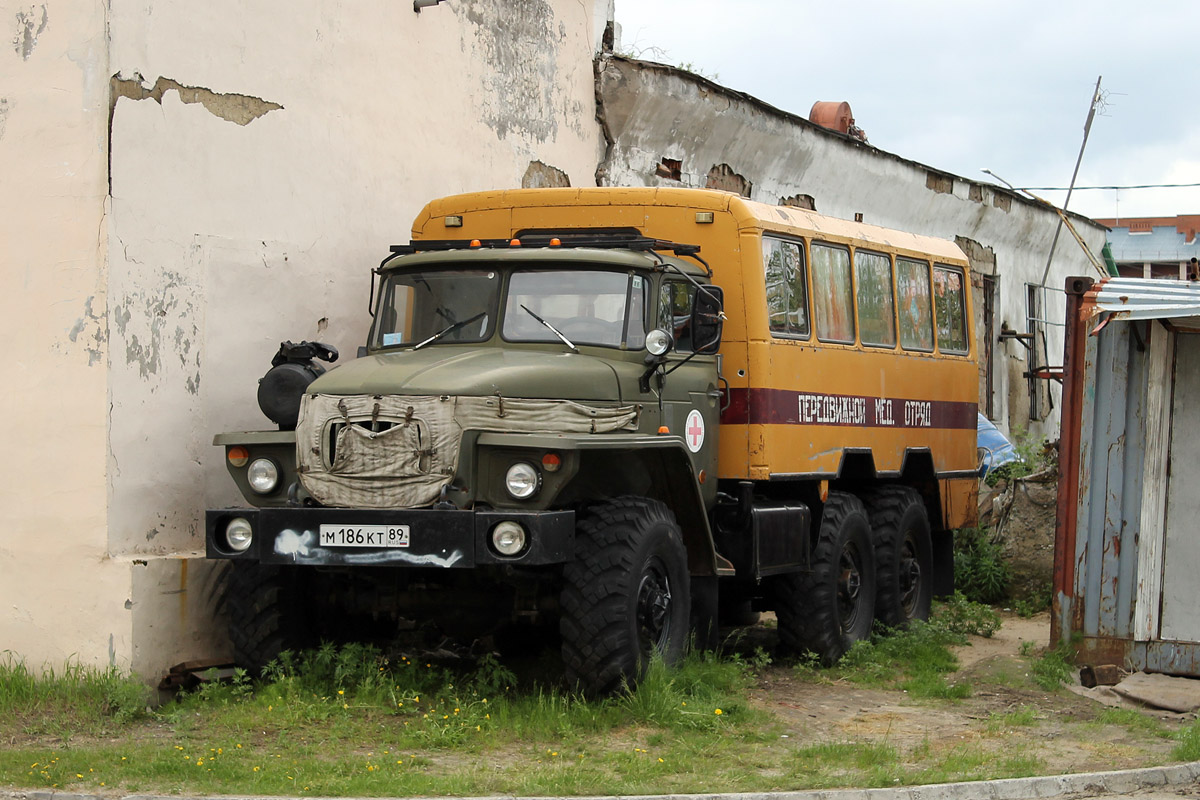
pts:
pixel 263 157
pixel 652 112
pixel 61 594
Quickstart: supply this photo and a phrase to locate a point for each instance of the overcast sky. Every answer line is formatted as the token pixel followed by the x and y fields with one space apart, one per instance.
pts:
pixel 964 85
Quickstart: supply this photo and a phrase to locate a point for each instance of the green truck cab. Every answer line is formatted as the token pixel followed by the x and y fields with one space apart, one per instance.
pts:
pixel 527 439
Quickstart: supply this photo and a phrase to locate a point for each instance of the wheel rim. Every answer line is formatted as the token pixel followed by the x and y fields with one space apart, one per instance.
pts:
pixel 850 582
pixel 910 578
pixel 654 608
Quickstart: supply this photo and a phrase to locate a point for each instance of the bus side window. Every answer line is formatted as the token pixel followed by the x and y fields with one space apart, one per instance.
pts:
pixel 832 293
pixel 950 304
pixel 876 312
pixel 787 287
pixel 916 317
pixel 675 312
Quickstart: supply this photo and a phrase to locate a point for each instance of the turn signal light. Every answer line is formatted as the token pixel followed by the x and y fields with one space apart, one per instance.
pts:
pixel 238 456
pixel 551 462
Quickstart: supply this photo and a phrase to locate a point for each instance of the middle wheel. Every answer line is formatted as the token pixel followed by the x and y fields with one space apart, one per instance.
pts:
pixel 830 607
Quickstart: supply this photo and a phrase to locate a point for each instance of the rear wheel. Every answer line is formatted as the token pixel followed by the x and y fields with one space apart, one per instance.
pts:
pixel 626 594
pixel 903 554
pixel 829 608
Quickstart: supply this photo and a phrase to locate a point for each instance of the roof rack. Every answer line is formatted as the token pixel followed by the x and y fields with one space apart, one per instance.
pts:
pixel 620 241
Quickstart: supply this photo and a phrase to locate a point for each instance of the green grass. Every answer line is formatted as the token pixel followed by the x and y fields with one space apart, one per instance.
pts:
pixel 70 700
pixel 918 660
pixel 351 721
pixel 1054 667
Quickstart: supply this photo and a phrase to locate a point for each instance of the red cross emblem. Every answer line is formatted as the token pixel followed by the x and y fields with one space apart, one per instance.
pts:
pixel 693 431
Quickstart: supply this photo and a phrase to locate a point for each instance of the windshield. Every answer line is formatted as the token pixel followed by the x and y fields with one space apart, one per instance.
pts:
pixel 418 308
pixel 604 308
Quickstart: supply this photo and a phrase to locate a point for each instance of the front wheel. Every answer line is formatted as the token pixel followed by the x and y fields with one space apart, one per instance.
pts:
pixel 830 607
pixel 626 595
pixel 266 605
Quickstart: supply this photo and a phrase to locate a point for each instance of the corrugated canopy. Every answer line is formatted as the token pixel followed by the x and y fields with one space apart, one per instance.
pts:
pixel 1138 298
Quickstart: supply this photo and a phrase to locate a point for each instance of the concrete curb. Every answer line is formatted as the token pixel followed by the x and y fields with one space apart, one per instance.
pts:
pixel 1085 784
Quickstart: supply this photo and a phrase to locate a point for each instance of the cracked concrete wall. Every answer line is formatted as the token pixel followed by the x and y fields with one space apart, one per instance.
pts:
pixel 666 127
pixel 187 186
pixel 263 157
pixel 61 593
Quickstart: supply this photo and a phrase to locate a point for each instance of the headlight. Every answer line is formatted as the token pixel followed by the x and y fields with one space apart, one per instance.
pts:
pixel 238 534
pixel 658 342
pixel 263 475
pixel 508 538
pixel 522 480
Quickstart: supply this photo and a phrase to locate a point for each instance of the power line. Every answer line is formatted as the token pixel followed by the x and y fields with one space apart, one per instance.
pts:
pixel 1130 186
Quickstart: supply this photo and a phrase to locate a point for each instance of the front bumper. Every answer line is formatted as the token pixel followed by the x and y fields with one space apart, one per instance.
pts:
pixel 444 539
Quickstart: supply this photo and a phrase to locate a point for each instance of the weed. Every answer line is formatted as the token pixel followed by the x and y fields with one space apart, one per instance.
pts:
pixel 916 660
pixel 964 617
pixel 702 693
pixel 1021 718
pixel 980 572
pixel 1188 748
pixel 491 678
pixel 1134 721
pixel 78 697
pixel 1054 667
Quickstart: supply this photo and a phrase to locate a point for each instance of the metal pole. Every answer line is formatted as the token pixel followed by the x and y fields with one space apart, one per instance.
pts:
pixel 1087 129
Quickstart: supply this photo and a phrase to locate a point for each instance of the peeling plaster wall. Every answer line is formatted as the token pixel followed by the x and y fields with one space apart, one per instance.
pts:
pixel 263 157
pixel 661 122
pixel 61 594
pixel 185 186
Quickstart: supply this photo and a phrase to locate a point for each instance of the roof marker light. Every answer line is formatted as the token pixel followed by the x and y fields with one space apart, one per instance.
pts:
pixel 515 243
pixel 556 242
pixel 663 430
pixel 476 243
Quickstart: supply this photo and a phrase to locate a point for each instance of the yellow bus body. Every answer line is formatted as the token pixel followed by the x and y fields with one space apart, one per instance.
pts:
pixel 797 408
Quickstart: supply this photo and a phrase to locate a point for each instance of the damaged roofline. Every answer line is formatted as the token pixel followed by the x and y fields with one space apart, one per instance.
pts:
pixel 844 138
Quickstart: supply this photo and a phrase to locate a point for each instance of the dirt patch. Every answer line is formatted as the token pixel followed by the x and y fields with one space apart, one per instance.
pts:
pixel 1005 714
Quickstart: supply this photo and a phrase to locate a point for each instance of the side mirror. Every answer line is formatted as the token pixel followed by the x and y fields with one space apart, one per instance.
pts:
pixel 707 319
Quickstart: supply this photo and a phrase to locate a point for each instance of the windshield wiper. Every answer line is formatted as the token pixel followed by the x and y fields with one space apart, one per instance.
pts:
pixel 449 330
pixel 551 328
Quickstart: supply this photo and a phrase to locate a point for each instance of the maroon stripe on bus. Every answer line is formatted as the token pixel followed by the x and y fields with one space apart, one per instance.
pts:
pixel 784 407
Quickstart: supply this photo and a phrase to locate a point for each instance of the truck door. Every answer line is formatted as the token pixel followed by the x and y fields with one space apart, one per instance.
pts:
pixel 691 400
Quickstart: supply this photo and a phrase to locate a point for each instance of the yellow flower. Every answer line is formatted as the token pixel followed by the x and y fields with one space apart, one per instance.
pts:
pixel 718 712
pixel 256 769
pixel 661 761
pixel 341 691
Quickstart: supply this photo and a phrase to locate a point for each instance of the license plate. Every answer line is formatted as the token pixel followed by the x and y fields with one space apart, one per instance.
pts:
pixel 364 536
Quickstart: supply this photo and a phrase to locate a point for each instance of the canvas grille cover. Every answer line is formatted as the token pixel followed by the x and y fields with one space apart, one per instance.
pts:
pixel 398 451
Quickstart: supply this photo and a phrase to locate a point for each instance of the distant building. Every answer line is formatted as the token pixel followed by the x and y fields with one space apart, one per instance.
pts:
pixel 1154 247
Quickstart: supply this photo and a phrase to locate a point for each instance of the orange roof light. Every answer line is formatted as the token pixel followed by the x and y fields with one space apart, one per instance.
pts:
pixel 663 430
pixel 476 243
pixel 556 242
pixel 515 243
